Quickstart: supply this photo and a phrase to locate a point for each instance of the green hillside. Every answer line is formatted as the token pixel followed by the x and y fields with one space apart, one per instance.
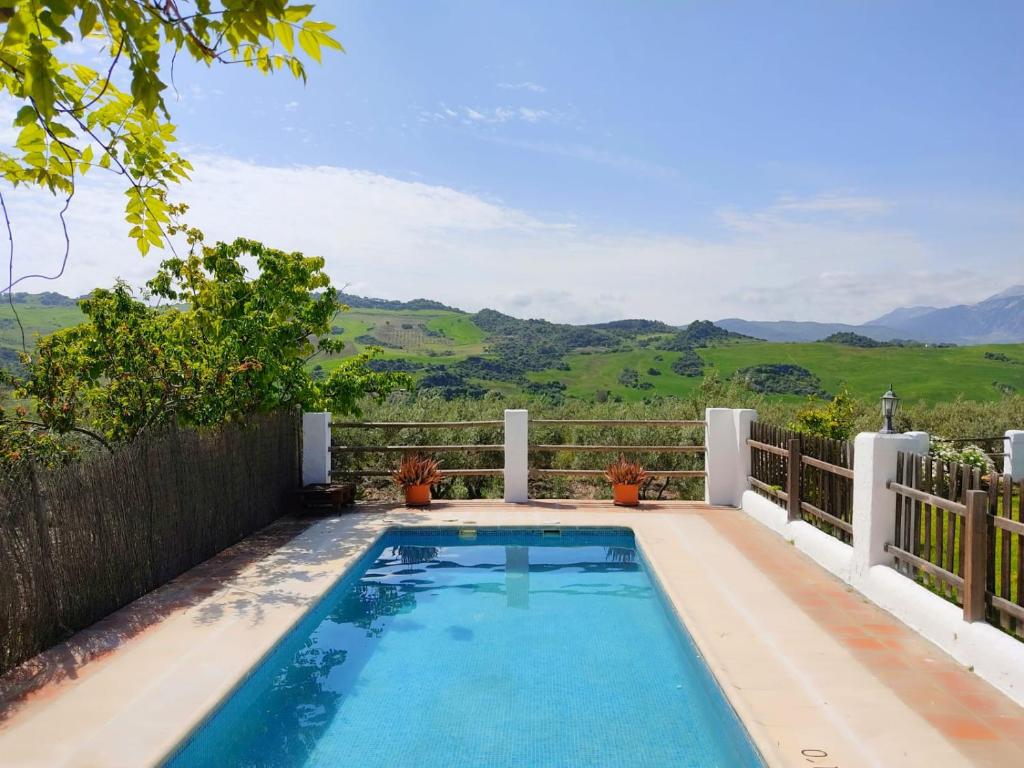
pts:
pixel 917 373
pixel 39 316
pixel 466 354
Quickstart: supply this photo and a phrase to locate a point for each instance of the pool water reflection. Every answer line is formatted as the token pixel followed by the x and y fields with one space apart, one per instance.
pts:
pixel 493 647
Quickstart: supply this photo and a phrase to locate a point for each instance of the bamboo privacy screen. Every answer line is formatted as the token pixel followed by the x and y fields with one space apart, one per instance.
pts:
pixel 79 542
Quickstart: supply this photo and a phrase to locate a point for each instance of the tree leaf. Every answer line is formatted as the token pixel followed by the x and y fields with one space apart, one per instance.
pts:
pixel 308 42
pixel 87 22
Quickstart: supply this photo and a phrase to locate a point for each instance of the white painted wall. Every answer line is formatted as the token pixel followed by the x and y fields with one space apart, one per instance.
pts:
pixel 993 655
pixel 316 448
pixel 1013 462
pixel 517 447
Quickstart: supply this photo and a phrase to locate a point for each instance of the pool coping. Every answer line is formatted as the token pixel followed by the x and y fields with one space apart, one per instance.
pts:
pixel 240 623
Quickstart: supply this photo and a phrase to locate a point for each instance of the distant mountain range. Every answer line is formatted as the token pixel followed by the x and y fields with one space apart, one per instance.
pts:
pixel 999 319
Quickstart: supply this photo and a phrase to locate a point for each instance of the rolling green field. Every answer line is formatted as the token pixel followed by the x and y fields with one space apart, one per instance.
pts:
pixel 434 338
pixel 422 336
pixel 917 373
pixel 37 319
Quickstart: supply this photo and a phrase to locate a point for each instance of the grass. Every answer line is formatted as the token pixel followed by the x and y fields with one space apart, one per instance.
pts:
pixel 459 329
pixel 38 320
pixel 591 372
pixel 917 373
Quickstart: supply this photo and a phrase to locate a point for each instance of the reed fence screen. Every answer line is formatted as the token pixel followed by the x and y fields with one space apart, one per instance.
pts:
pixel 79 542
pixel 931 542
pixel 811 475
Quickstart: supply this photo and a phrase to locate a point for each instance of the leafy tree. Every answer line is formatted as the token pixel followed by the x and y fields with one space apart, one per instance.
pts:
pixel 73 118
pixel 23 441
pixel 226 346
pixel 836 419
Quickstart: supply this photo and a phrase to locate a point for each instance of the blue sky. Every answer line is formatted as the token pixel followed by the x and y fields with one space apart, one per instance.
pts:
pixel 588 160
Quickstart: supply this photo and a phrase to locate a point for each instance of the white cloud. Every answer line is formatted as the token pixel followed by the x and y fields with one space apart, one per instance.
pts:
pixel 488 115
pixel 848 205
pixel 401 239
pixel 524 86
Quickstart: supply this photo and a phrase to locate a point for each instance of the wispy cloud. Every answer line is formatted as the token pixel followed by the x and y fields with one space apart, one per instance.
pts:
pixel 788 211
pixel 853 206
pixel 524 86
pixel 402 239
pixel 488 115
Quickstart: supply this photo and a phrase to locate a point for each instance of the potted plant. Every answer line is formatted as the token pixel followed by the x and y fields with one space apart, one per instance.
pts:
pixel 416 474
pixel 625 477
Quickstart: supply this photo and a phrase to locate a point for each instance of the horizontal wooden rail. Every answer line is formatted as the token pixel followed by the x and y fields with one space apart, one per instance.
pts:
pixel 777 492
pixel 621 422
pixel 927 498
pixel 769 448
pixel 930 568
pixel 444 472
pixel 1005 606
pixel 835 469
pixel 420 448
pixel 622 448
pixel 1008 525
pixel 601 472
pixel 821 514
pixel 415 424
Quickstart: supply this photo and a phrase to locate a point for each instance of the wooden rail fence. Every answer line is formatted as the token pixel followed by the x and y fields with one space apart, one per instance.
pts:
pixel 347 454
pixel 960 533
pixel 347 450
pixel 630 450
pixel 812 476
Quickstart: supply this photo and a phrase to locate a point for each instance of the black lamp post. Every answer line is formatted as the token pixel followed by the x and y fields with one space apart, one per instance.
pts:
pixel 889 405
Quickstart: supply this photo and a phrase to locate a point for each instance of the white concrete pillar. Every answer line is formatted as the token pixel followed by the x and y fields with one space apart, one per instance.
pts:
pixel 874 505
pixel 316 448
pixel 743 418
pixel 1013 462
pixel 726 457
pixel 517 460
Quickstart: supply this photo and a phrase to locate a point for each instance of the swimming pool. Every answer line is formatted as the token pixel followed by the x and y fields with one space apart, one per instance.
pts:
pixel 481 647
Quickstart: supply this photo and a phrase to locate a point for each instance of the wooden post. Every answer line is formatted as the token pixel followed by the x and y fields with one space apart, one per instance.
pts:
pixel 975 550
pixel 793 467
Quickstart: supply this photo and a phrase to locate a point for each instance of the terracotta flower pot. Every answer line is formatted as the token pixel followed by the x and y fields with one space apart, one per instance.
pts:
pixel 417 495
pixel 626 495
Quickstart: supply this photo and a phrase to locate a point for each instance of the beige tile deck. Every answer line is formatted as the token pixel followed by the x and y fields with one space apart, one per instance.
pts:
pixel 819 676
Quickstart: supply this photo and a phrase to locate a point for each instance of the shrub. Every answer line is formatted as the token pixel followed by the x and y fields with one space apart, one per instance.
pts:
pixel 689 363
pixel 781 379
pixel 835 419
pixel 629 377
pixel 969 455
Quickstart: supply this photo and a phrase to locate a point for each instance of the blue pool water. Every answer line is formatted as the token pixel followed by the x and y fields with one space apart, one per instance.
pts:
pixel 501 647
